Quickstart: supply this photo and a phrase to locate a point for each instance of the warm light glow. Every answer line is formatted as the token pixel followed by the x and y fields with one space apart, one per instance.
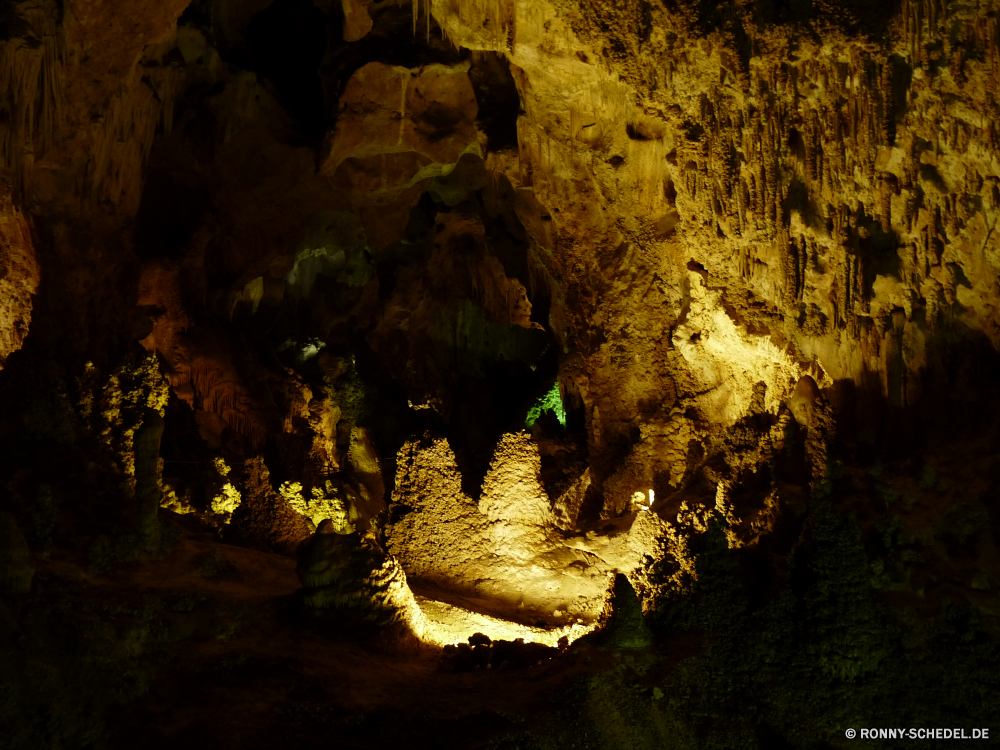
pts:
pixel 447 625
pixel 729 363
pixel 323 505
pixel 229 499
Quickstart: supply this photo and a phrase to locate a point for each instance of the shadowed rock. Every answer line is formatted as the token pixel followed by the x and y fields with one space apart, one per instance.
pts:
pixel 16 570
pixel 147 478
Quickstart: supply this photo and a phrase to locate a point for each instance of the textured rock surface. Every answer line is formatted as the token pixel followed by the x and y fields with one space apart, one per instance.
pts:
pixel 503 555
pixel 264 519
pixel 705 297
pixel 19 276
pixel 147 480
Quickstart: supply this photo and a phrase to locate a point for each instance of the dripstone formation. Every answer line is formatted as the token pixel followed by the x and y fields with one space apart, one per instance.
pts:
pixel 521 373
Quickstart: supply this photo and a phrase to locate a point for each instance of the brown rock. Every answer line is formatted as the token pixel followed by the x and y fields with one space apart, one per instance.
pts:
pixel 19 278
pixel 397 127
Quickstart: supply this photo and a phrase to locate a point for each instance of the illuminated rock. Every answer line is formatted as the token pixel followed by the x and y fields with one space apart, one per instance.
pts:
pixel 398 127
pixel 342 571
pixel 264 519
pixel 803 398
pixel 357 22
pixel 442 535
pixel 513 499
pixel 19 278
pixel 726 252
pixel 503 554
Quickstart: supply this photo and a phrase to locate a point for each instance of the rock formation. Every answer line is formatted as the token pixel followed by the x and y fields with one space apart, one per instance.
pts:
pixel 147 478
pixel 537 304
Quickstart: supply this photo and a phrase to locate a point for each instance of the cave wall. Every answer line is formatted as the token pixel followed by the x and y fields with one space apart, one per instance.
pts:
pixel 337 226
pixel 833 174
pixel 521 317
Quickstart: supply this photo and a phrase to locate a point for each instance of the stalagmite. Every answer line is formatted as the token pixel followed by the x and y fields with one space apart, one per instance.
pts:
pixel 496 337
pixel 147 478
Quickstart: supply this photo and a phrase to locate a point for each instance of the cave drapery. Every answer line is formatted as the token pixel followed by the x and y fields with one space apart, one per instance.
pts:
pixel 626 371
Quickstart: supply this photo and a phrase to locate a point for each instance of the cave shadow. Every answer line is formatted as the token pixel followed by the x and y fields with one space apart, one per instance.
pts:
pixel 797 199
pixel 902 77
pixel 287 42
pixel 170 211
pixel 486 408
pixel 481 413
pixel 878 251
pixel 497 98
pixel 953 398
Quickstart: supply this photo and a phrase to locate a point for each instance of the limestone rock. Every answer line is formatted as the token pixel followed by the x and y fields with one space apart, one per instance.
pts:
pixel 512 492
pixel 397 127
pixel 566 508
pixel 442 534
pixel 264 519
pixel 343 572
pixel 367 469
pixel 802 400
pixel 19 277
pixel 357 22
pixel 147 477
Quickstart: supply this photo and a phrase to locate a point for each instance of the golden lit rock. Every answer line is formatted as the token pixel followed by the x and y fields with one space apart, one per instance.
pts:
pixel 19 278
pixel 397 127
pixel 443 360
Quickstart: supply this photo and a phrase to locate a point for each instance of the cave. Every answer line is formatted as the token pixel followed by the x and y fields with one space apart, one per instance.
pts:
pixel 509 375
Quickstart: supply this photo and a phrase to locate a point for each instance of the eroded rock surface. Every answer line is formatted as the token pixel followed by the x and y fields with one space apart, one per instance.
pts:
pixel 19 277
pixel 527 298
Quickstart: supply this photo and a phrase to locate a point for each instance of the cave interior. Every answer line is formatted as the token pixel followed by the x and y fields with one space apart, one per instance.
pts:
pixel 499 374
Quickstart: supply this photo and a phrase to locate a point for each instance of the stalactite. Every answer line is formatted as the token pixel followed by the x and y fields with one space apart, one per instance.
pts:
pixel 123 137
pixel 887 86
pixel 20 66
pixel 789 255
pixel 771 195
pixel 803 259
pixel 809 143
pixel 951 216
pixel 31 95
pixel 217 392
pixel 913 159
pixel 885 202
pixel 741 205
pixel 859 286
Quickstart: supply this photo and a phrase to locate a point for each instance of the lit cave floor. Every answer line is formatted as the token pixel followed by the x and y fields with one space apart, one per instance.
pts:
pixel 207 648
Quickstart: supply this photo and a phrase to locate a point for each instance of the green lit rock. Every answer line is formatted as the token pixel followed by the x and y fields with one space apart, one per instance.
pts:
pixel 339 571
pixel 550 402
pixel 981 581
pixel 479 342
